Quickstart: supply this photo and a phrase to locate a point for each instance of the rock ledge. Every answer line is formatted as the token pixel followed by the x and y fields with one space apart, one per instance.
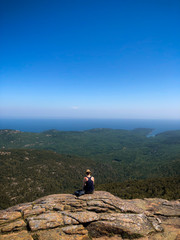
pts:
pixel 93 216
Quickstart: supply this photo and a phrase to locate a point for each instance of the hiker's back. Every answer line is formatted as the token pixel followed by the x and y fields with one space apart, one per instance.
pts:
pixel 89 185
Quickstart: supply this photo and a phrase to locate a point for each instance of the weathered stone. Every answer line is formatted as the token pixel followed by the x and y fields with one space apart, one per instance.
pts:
pixel 77 229
pixel 102 215
pixel 69 220
pixel 8 216
pixel 58 207
pixel 17 225
pixel 67 207
pixel 159 206
pixel 100 204
pixel 125 224
pixel 45 221
pixel 58 234
pixel 171 226
pixel 24 235
pixel 76 204
pixel 34 211
pixel 55 198
pixel 83 217
pixel 74 237
pixel 168 211
pixel 170 220
pixel 97 195
pixel 20 207
pixel 97 209
pixel 48 206
pixel 169 233
pixel 115 237
pixel 77 209
pixel 123 205
pixel 156 224
pixel 52 234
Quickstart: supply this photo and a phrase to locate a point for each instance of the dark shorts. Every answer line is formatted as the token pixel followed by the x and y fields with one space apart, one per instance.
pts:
pixel 89 192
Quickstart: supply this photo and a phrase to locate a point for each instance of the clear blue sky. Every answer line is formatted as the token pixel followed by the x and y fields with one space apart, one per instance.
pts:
pixel 90 59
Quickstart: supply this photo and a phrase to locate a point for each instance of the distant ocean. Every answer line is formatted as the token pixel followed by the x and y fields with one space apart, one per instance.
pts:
pixel 40 125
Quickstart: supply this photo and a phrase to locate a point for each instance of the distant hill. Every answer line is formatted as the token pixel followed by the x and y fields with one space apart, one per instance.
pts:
pixel 129 153
pixel 94 142
pixel 27 174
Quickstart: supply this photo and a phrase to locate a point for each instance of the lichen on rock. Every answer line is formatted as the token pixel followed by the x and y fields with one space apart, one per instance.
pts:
pixel 92 216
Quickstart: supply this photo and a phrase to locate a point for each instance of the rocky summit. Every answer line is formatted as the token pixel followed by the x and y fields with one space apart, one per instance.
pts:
pixel 97 216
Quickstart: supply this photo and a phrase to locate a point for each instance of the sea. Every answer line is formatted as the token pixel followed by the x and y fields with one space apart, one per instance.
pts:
pixel 40 125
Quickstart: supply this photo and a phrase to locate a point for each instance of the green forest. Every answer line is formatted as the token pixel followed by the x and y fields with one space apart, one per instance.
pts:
pixel 126 163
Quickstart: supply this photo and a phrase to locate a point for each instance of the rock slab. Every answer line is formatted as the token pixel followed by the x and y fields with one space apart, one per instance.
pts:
pixel 92 216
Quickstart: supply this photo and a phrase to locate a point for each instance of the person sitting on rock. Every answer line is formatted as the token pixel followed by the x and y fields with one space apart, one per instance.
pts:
pixel 88 183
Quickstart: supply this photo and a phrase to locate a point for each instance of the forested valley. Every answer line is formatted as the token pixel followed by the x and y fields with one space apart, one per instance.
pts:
pixel 126 163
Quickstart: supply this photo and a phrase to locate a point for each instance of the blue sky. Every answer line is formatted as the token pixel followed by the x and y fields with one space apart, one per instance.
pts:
pixel 90 59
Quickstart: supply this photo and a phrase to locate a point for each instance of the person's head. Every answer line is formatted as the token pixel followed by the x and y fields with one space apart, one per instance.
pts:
pixel 88 172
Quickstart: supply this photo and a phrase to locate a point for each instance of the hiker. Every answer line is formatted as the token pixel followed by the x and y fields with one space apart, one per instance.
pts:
pixel 88 183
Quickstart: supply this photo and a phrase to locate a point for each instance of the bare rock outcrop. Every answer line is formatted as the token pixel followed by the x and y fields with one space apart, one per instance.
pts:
pixel 97 216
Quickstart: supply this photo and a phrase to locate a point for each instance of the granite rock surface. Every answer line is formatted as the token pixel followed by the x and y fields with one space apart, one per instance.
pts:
pixel 98 216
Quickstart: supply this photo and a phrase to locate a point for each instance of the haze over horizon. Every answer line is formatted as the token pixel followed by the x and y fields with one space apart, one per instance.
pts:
pixel 90 59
